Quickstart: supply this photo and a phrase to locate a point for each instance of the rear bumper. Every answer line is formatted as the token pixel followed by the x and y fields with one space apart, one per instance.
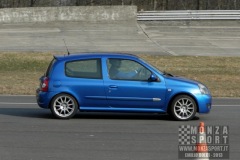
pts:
pixel 43 98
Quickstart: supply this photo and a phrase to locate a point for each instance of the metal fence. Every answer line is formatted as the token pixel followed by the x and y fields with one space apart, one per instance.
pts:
pixel 188 15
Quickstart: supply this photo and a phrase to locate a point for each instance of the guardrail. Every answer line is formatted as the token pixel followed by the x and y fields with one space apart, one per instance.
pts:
pixel 188 15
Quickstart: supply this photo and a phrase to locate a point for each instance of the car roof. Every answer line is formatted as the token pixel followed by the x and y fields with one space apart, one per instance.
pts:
pixel 94 55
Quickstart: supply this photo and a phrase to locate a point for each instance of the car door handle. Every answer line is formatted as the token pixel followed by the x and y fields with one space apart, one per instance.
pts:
pixel 113 87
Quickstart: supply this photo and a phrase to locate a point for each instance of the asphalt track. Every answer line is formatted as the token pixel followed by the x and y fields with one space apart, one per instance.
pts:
pixel 198 38
pixel 28 132
pixel 102 36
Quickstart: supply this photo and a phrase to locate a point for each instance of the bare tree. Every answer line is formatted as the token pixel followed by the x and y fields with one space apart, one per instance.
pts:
pixel 32 2
pixel 235 4
pixel 142 4
pixel 154 4
pixel 198 5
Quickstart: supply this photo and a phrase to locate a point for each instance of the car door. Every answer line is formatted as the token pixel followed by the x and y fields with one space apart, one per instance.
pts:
pixel 127 86
pixel 86 81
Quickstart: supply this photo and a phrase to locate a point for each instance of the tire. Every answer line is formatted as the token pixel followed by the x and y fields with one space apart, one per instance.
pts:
pixel 183 108
pixel 64 106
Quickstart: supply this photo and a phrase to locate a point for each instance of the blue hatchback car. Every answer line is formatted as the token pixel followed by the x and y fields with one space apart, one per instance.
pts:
pixel 115 82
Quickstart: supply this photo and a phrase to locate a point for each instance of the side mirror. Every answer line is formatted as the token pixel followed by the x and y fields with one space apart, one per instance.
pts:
pixel 153 78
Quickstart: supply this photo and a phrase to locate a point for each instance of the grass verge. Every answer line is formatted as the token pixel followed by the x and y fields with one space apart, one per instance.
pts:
pixel 19 72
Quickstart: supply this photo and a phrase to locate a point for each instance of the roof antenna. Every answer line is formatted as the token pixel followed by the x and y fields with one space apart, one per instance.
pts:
pixel 66 47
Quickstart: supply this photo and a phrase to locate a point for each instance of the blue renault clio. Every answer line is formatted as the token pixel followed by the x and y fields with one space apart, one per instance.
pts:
pixel 115 82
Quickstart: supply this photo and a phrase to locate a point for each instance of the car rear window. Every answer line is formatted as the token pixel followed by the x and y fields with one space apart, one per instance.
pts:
pixel 50 67
pixel 90 69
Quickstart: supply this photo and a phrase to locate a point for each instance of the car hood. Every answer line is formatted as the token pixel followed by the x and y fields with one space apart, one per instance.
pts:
pixel 182 80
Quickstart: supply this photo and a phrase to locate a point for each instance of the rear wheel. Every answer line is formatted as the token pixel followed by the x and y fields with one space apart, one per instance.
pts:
pixel 183 108
pixel 64 106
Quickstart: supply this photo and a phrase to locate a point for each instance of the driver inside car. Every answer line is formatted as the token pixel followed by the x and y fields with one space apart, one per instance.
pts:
pixel 115 73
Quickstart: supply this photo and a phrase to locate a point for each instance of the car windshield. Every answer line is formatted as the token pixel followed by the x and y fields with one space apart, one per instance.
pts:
pixel 155 68
pixel 152 66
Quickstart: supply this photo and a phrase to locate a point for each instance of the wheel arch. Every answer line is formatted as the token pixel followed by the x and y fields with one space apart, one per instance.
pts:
pixel 179 94
pixel 67 94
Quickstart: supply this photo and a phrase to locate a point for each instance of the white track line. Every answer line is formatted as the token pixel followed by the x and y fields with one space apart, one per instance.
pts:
pixel 225 105
pixel 17 103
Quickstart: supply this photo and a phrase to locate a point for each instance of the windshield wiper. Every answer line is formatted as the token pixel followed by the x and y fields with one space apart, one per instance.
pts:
pixel 167 74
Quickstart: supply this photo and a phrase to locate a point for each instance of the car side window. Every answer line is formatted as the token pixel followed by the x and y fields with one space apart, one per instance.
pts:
pixel 123 69
pixel 90 69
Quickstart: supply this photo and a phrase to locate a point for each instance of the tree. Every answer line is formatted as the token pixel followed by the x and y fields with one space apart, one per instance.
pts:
pixel 32 2
pixel 198 5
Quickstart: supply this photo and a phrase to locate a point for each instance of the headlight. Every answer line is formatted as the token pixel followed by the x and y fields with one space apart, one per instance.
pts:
pixel 203 89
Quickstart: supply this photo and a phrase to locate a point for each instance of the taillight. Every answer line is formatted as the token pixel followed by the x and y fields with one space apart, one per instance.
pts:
pixel 44 86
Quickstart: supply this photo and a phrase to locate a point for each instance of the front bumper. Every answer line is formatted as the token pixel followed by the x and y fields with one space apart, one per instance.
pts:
pixel 204 103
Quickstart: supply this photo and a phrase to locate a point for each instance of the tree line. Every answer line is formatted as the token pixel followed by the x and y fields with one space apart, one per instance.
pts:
pixel 142 4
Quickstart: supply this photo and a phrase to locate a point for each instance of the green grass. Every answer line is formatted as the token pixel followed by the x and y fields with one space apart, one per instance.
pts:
pixel 220 74
pixel 19 72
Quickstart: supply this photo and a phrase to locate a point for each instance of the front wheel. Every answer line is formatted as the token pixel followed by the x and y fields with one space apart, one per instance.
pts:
pixel 183 108
pixel 64 106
